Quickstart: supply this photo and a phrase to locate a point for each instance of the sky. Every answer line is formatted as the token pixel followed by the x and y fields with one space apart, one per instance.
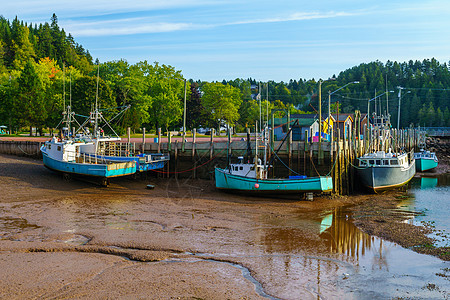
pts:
pixel 212 40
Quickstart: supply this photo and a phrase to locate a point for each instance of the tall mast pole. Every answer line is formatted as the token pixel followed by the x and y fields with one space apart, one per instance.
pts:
pixel 96 104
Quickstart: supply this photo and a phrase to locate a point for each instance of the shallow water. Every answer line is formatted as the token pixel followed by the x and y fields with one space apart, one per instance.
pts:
pixel 430 196
pixel 346 262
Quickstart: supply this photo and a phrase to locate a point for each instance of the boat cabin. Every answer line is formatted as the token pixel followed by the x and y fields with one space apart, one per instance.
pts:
pixel 247 169
pixel 383 159
pixel 425 155
pixel 64 150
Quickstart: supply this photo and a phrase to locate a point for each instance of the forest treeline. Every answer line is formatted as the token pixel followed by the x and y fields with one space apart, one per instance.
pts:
pixel 43 70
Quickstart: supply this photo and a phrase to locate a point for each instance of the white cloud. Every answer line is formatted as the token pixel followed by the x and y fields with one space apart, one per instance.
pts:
pixel 298 16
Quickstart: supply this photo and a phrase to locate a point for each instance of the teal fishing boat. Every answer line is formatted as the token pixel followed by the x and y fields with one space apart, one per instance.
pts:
pixel 252 178
pixel 425 160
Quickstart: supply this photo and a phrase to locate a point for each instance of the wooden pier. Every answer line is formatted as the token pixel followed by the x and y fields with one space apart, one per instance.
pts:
pixel 197 159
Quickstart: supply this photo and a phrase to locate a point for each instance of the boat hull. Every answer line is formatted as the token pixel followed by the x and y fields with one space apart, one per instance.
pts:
pixel 112 169
pixel 378 178
pixel 227 181
pixel 424 164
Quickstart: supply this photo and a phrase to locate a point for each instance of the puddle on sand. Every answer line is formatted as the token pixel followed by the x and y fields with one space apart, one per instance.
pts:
pixel 340 260
pixel 10 225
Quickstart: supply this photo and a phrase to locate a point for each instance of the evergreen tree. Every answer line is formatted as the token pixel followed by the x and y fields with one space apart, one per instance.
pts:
pixel 29 105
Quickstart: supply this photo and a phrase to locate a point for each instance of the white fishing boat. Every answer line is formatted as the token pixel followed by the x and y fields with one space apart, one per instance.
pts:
pixel 95 154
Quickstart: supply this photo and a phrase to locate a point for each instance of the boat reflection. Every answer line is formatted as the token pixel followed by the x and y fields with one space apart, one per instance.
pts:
pixel 424 182
pixel 332 233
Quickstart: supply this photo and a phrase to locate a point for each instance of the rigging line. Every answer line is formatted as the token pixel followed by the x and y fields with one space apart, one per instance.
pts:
pixel 280 160
pixel 310 158
pixel 191 169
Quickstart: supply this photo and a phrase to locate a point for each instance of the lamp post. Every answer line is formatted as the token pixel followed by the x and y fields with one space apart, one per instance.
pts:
pixel 399 104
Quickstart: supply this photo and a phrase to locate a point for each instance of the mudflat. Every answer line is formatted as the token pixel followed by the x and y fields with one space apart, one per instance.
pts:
pixel 182 240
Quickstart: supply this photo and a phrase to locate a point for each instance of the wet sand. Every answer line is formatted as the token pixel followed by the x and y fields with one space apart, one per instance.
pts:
pixel 185 240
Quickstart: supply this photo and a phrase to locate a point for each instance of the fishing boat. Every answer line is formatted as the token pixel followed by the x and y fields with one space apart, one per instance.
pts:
pixel 245 177
pixel 425 160
pixel 66 156
pixel 383 170
pixel 253 177
pixel 95 154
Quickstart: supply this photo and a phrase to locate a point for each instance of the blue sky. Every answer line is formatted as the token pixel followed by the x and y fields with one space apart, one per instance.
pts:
pixel 267 40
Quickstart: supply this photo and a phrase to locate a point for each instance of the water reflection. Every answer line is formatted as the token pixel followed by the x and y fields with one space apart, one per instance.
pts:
pixel 424 183
pixel 431 199
pixel 343 237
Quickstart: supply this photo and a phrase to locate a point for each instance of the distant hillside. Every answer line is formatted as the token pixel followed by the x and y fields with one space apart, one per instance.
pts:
pixel 20 41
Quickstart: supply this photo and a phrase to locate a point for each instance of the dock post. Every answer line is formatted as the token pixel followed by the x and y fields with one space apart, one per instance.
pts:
pixel 143 140
pixel 290 151
pixel 194 136
pixel 272 133
pixel 211 144
pixel 176 159
pixel 229 141
pixel 184 140
pixel 305 152
pixel 169 141
pixel 159 140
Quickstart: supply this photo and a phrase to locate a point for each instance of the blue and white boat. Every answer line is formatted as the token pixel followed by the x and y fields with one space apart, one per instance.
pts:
pixel 95 155
pixel 425 160
pixel 67 156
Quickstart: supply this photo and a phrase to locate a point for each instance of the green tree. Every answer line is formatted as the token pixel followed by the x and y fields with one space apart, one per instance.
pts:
pixel 29 106
pixel 166 89
pixel 23 49
pixel 222 102
pixel 129 88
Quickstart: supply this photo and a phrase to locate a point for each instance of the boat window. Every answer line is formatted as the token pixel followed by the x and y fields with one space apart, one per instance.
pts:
pixel 363 163
pixel 59 148
pixel 252 168
pixel 385 162
pixel 49 146
pixel 394 162
pixel 241 168
pixel 378 162
pixel 371 162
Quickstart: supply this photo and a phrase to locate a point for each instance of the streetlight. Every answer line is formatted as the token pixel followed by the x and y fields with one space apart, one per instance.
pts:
pixel 329 100
pixel 368 105
pixel 399 103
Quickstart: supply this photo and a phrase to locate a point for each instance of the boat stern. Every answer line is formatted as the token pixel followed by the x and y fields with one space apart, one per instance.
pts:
pixel 326 183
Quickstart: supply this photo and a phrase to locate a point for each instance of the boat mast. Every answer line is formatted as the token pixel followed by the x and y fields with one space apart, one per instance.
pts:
pixel 96 105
